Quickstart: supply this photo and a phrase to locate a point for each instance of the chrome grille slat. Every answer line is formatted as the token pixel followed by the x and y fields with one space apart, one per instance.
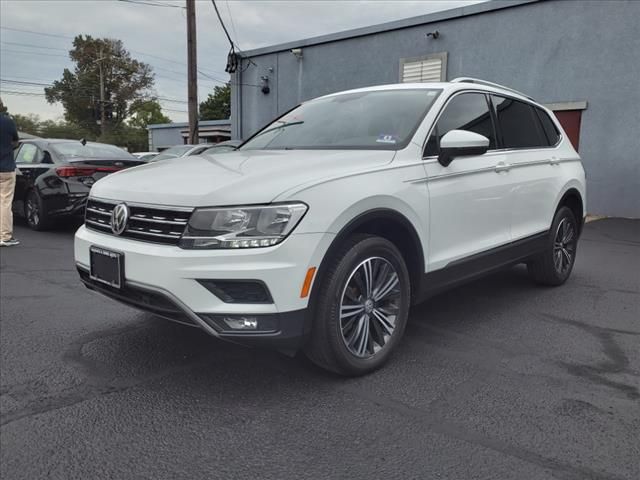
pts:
pixel 99 211
pixel 147 223
pixel 92 222
pixel 140 232
pixel 186 210
pixel 158 220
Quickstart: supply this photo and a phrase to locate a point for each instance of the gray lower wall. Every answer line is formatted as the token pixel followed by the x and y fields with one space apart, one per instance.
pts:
pixel 553 50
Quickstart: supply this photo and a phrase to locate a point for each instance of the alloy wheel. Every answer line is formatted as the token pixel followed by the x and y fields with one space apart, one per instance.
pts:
pixel 564 246
pixel 33 210
pixel 369 307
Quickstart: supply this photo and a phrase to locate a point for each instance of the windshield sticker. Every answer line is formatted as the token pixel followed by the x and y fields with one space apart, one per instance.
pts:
pixel 387 139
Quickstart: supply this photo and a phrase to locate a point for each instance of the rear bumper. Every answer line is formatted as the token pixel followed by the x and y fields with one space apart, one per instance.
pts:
pixel 286 332
pixel 66 205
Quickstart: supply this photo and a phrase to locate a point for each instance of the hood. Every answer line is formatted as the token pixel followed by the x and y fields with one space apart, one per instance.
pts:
pixel 243 177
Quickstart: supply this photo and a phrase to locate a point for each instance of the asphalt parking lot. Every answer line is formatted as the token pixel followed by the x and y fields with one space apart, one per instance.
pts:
pixel 497 379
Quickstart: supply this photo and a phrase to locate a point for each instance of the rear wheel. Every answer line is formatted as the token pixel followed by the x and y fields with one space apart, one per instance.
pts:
pixel 554 265
pixel 362 307
pixel 34 213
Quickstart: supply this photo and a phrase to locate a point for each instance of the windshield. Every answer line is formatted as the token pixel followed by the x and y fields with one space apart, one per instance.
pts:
pixel 174 152
pixel 380 120
pixel 72 150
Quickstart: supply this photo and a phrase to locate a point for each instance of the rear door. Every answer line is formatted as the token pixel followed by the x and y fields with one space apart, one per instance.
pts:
pixel 529 141
pixel 469 206
pixel 29 167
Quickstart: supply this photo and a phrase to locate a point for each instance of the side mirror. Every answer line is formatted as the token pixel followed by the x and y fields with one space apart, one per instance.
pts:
pixel 458 143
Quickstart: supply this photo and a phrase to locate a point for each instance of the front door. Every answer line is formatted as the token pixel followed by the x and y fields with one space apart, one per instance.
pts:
pixel 469 207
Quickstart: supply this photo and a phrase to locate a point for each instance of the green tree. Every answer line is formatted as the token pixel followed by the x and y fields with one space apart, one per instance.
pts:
pixel 29 123
pixel 217 106
pixel 64 129
pixel 146 112
pixel 125 81
pixel 130 138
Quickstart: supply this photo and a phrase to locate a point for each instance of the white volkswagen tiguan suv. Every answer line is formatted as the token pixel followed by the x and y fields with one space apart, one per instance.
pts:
pixel 325 226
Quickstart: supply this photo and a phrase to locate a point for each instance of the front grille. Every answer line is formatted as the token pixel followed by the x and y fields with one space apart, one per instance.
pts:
pixel 146 223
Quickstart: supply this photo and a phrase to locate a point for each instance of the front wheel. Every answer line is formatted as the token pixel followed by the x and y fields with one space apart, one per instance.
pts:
pixel 361 308
pixel 554 265
pixel 34 212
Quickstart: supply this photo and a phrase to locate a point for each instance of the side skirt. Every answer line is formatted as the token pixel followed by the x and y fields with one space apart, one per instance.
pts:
pixel 478 265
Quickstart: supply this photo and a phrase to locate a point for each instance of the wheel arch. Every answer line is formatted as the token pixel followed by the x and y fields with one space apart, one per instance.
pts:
pixel 572 199
pixel 386 223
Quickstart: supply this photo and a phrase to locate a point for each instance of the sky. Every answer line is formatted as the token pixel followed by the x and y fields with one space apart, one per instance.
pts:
pixel 36 35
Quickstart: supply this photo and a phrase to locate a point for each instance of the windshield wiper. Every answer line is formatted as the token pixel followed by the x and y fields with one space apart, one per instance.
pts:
pixel 279 127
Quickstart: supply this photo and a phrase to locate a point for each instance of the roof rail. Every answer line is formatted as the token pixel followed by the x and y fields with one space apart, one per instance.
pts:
pixel 489 84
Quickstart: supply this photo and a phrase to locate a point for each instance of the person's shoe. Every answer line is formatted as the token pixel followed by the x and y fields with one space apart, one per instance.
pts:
pixel 9 243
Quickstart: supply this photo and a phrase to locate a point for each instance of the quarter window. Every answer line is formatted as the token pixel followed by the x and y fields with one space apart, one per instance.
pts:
pixel 549 127
pixel 519 124
pixel 468 111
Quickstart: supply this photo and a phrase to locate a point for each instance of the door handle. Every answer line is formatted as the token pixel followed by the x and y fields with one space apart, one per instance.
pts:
pixel 502 167
pixel 554 161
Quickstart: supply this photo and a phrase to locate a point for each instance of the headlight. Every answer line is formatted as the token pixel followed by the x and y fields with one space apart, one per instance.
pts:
pixel 241 227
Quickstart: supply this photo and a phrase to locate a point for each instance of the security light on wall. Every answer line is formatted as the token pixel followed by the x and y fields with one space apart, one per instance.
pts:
pixel 297 52
pixel 265 85
pixel 435 34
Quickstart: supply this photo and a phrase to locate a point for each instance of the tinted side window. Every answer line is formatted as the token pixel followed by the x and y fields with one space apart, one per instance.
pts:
pixel 28 153
pixel 519 124
pixel 549 127
pixel 468 111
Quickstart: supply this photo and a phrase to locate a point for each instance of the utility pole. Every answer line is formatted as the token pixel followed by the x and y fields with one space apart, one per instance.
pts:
pixel 192 71
pixel 103 115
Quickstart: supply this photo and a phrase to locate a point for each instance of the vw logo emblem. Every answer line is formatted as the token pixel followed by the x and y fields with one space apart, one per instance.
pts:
pixel 119 218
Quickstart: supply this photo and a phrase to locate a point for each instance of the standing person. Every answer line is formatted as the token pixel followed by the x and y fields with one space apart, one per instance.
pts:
pixel 8 141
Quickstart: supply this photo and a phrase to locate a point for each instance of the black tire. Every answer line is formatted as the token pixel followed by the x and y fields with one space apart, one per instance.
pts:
pixel 553 266
pixel 339 345
pixel 34 212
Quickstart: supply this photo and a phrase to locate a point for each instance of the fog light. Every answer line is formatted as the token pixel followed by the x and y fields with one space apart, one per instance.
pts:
pixel 241 323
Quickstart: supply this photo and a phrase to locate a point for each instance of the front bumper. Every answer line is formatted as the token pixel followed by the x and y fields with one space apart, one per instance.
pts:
pixel 167 281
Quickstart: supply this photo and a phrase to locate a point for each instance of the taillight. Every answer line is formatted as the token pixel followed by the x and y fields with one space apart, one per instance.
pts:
pixel 82 171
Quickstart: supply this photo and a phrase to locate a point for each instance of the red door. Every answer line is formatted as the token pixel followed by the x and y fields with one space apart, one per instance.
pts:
pixel 570 121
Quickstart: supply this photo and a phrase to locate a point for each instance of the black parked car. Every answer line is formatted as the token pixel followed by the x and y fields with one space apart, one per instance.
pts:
pixel 54 177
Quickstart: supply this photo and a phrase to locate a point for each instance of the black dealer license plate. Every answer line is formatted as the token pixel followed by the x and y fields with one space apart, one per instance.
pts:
pixel 106 266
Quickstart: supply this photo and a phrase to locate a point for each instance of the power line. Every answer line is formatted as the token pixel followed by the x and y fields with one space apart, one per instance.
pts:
pixel 20 82
pixel 232 58
pixel 29 78
pixel 33 53
pixel 31 45
pixel 233 25
pixel 223 25
pixel 35 33
pixel 35 94
pixel 151 4
pixel 14 92
pixel 203 75
pixel 166 59
pixel 39 84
